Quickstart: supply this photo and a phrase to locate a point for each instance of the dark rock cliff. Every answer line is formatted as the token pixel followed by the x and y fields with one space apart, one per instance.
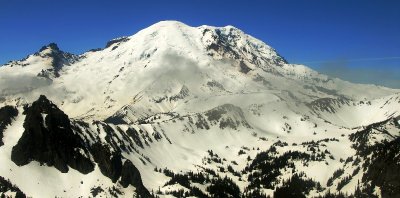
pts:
pixel 49 139
pixel 7 114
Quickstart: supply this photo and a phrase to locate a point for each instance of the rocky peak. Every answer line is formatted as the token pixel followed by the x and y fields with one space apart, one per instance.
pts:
pixel 58 59
pixel 231 42
pixel 51 46
pixel 117 40
pixel 44 105
pixel 7 114
pixel 49 139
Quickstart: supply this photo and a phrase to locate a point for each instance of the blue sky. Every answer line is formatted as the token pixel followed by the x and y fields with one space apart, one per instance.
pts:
pixel 355 40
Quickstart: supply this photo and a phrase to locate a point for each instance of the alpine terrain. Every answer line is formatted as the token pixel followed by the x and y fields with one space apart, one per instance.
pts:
pixel 180 111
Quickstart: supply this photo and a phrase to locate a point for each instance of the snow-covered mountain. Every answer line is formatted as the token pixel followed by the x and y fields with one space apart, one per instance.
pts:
pixel 186 111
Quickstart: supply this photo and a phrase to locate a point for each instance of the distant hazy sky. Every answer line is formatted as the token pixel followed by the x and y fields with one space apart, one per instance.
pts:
pixel 355 40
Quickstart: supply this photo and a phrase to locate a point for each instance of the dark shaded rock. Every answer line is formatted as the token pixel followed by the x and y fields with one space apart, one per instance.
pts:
pixel 58 60
pixel 397 122
pixel 135 136
pixel 259 78
pixel 362 137
pixel 328 104
pixel 7 186
pixel 115 192
pixel 111 139
pixel 117 40
pixel 183 93
pixel 227 116
pixel 49 139
pixel 201 122
pixel 244 68
pixel 131 175
pixel 214 83
pixel 7 114
pixel 95 50
pixel 116 119
pixel 226 44
pixel 110 164
pixel 96 190
pixel 52 46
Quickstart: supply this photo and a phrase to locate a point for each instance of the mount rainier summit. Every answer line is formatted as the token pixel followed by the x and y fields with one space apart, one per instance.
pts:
pixel 180 111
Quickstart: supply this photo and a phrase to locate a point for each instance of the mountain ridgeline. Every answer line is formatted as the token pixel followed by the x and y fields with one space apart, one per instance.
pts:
pixel 180 111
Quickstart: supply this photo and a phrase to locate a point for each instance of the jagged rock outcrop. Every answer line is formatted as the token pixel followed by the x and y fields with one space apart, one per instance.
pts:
pixel 58 60
pixel 227 116
pixel 130 175
pixel 7 188
pixel 226 42
pixel 110 164
pixel 7 113
pixel 117 40
pixel 49 139
pixel 328 104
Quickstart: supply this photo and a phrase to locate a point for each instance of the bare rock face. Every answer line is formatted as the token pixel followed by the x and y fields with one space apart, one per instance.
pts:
pixel 6 187
pixel 130 175
pixel 110 164
pixel 228 116
pixel 58 58
pixel 7 113
pixel 49 139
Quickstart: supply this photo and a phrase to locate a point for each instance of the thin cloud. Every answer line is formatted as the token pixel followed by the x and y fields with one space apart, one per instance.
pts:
pixel 21 83
pixel 354 60
pixel 379 75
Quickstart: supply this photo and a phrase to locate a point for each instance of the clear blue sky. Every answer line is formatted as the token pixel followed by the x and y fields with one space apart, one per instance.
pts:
pixel 355 40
